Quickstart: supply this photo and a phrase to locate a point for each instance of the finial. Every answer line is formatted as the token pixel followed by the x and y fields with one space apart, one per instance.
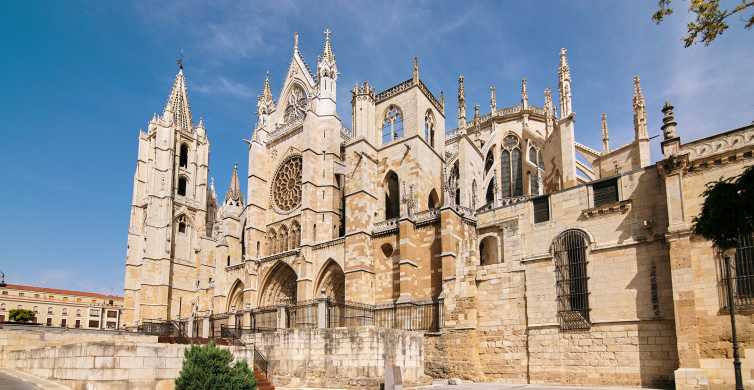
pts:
pixel 442 100
pixel 524 94
pixel 415 72
pixel 605 136
pixel 493 99
pixel 668 122
pixel 295 41
pixel 179 61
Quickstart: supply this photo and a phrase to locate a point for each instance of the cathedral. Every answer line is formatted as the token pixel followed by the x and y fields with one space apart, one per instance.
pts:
pixel 519 253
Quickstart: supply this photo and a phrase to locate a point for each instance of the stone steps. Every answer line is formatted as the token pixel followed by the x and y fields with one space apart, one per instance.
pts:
pixel 262 382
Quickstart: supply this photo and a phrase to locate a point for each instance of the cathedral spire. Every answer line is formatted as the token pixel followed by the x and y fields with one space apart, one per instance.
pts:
pixel 461 103
pixel 564 84
pixel 640 111
pixel 327 53
pixel 177 109
pixel 233 195
pixel 605 135
pixel 524 95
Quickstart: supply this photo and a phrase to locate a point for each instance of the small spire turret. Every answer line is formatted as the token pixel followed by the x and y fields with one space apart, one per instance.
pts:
pixel 461 103
pixel 640 111
pixel 493 99
pixel 415 71
pixel 233 196
pixel 564 84
pixel 668 122
pixel 549 113
pixel 605 135
pixel 524 95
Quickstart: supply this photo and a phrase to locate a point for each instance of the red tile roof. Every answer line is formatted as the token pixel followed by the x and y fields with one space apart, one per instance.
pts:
pixel 62 292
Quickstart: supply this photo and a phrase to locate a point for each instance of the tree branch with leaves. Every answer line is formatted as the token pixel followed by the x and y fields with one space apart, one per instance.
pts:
pixel 711 20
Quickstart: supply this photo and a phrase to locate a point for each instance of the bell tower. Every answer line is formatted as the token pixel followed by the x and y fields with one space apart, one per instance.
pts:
pixel 169 212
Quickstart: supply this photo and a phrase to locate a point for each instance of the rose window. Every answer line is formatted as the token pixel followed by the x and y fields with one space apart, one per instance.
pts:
pixel 297 103
pixel 286 187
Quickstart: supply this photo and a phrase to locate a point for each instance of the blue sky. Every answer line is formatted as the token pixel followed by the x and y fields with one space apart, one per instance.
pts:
pixel 80 78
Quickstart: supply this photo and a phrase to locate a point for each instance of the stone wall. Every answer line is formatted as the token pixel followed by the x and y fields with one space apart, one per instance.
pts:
pixel 96 360
pixel 341 357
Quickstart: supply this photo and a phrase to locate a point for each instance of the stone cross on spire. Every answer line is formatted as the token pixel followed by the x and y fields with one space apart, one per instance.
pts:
pixel 605 135
pixel 327 52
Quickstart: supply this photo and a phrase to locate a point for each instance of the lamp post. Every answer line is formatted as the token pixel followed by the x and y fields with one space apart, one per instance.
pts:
pixel 732 312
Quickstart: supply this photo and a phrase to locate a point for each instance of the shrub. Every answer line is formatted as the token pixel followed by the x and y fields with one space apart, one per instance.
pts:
pixel 209 368
pixel 21 315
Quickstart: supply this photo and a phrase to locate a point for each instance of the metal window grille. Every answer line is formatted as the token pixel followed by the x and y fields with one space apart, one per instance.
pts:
pixel 541 209
pixel 742 276
pixel 571 280
pixel 605 192
pixel 505 170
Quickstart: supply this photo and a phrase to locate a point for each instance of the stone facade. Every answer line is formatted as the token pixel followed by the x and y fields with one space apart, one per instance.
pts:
pixel 548 258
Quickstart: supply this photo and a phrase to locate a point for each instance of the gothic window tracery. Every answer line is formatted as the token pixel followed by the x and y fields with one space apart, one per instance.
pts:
pixel 286 186
pixel 297 104
pixel 510 168
pixel 182 224
pixel 392 125
pixel 429 128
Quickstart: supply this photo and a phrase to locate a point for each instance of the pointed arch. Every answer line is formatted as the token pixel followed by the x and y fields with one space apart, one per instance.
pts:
pixel 272 240
pixel 429 128
pixel 454 183
pixel 279 286
pixel 433 201
pixel 283 237
pixel 392 124
pixel 392 191
pixel 183 155
pixel 295 235
pixel 489 161
pixel 331 282
pixel 490 195
pixel 235 301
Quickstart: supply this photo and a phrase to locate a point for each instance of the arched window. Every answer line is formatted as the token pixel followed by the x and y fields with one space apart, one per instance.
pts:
pixel 490 196
pixel 453 184
pixel 488 251
pixel 295 235
pixel 429 128
pixel 297 104
pixel 569 252
pixel 243 241
pixel 392 196
pixel 473 195
pixel 392 125
pixel 272 239
pixel 283 239
pixel 432 201
pixel 182 185
pixel 182 224
pixel 489 161
pixel 534 183
pixel 183 156
pixel 510 168
pixel 533 155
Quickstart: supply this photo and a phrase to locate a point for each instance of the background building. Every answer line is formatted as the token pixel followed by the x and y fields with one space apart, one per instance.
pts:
pixel 62 308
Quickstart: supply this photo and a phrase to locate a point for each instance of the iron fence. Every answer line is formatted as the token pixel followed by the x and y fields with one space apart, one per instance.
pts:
pixel 264 319
pixel 741 275
pixel 349 314
pixel 302 315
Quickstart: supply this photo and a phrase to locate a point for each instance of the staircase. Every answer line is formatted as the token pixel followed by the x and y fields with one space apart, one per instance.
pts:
pixel 262 382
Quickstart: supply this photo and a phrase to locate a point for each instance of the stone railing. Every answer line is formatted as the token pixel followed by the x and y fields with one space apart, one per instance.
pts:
pixel 427 217
pixel 234 267
pixel 325 244
pixel 392 91
pixel 283 129
pixel 279 255
pixel 386 226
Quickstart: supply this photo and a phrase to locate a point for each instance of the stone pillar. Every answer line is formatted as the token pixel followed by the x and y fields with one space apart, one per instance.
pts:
pixel 282 317
pixel 322 312
pixel 407 265
pixel 205 328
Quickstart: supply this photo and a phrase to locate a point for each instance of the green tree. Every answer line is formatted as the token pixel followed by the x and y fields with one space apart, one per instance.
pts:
pixel 728 210
pixel 710 18
pixel 209 368
pixel 21 315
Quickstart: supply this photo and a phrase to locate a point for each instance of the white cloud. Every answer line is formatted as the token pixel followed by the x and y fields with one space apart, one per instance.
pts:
pixel 224 86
